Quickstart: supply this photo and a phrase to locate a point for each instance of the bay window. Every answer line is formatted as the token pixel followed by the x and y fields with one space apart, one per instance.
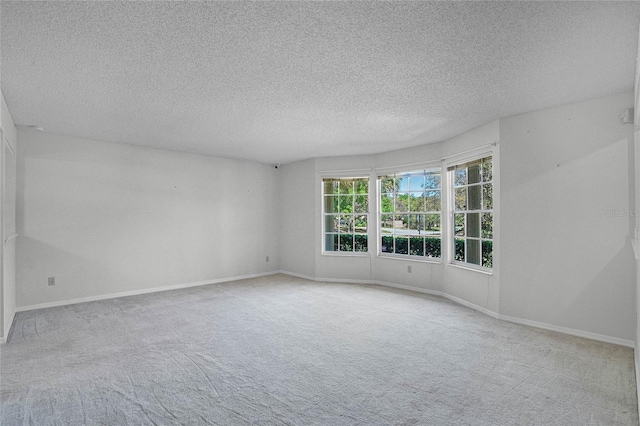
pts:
pixel 410 214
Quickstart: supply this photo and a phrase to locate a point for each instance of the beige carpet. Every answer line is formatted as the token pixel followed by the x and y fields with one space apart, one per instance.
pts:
pixel 284 351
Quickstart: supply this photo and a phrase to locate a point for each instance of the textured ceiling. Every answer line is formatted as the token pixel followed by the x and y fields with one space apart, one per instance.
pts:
pixel 279 82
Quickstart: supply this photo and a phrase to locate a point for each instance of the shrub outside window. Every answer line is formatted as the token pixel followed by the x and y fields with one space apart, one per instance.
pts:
pixel 410 214
pixel 346 208
pixel 472 228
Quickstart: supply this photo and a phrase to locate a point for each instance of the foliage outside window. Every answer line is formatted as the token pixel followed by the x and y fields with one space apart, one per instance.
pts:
pixel 410 213
pixel 473 212
pixel 346 206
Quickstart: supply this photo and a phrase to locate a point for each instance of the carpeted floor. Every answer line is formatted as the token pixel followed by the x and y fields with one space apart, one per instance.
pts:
pixel 280 350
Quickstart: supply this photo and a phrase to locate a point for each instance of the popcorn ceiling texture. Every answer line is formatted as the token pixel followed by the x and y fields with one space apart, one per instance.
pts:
pixel 284 81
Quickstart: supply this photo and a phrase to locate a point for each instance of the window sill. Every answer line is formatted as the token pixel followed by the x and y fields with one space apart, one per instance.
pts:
pixel 345 254
pixel 410 258
pixel 484 271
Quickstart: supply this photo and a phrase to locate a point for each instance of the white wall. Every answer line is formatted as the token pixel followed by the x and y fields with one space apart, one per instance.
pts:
pixel 302 253
pixel 7 251
pixel 567 207
pixel 105 218
pixel 562 255
pixel 297 214
pixel 480 290
pixel 427 276
pixel 352 268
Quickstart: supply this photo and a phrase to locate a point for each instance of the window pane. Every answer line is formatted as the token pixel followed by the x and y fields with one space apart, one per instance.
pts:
pixel 331 242
pixel 361 243
pixel 473 225
pixel 460 176
pixel 459 253
pixel 331 223
pixel 416 246
pixel 458 223
pixel 433 201
pixel 403 222
pixel 386 203
pixel 386 223
pixel 432 181
pixel 350 221
pixel 474 197
pixel 343 224
pixel 402 202
pixel 346 242
pixel 487 254
pixel 416 182
pixel 331 204
pixel 387 185
pixel 340 222
pixel 330 187
pixel 400 221
pixel 472 204
pixel 461 198
pixel 473 173
pixel 361 186
pixel 402 245
pixel 387 244
pixel 416 224
pixel 346 203
pixel 487 225
pixel 487 196
pixel 346 187
pixel 432 247
pixel 487 169
pixel 432 224
pixel 360 225
pixel 416 202
pixel 402 183
pixel 473 252
pixel 361 204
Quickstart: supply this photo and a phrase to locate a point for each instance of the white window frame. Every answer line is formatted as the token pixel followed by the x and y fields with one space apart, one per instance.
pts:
pixel 448 180
pixel 406 169
pixel 357 175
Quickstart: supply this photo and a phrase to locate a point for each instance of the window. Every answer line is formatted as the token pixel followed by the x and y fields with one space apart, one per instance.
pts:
pixel 346 206
pixel 472 198
pixel 410 214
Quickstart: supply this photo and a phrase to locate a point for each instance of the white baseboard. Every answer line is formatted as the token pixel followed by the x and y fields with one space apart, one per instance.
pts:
pixel 346 281
pixel 570 331
pixel 294 274
pixel 3 339
pixel 326 280
pixel 522 321
pixel 637 365
pixel 410 288
pixel 138 292
pixel 472 306
pixel 441 294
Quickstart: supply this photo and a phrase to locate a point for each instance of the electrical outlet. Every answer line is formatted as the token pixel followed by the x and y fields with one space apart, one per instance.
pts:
pixel 409 270
pixel 267 258
pixel 51 281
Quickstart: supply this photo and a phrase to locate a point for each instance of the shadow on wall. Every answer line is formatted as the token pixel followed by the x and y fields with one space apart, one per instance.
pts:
pixel 607 292
pixel 552 138
pixel 566 188
pixel 34 274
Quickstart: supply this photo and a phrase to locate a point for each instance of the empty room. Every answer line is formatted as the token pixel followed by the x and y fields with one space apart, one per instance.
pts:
pixel 319 213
